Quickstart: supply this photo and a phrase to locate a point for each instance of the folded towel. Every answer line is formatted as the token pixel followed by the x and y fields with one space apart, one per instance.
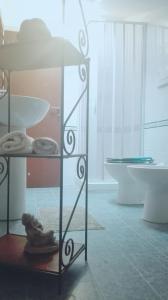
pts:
pixel 16 142
pixel 45 145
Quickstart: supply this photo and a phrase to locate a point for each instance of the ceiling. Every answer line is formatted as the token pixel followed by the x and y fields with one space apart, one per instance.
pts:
pixel 152 11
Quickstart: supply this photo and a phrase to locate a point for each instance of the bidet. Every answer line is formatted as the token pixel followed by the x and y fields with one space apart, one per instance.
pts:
pixel 155 180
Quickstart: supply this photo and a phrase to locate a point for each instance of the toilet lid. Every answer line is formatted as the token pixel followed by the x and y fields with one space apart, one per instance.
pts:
pixel 137 160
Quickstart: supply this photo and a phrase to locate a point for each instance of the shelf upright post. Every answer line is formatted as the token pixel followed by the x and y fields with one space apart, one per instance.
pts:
pixel 8 160
pixel 84 75
pixel 61 159
pixel 87 146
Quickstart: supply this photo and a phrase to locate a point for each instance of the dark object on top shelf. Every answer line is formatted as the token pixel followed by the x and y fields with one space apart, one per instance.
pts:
pixel 37 49
pixel 33 29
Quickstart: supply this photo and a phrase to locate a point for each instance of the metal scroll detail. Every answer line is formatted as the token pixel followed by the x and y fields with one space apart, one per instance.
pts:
pixel 3 83
pixel 83 40
pixel 68 246
pixel 69 141
pixel 69 251
pixel 83 35
pixel 83 72
pixel 81 168
pixel 3 169
pixel 69 135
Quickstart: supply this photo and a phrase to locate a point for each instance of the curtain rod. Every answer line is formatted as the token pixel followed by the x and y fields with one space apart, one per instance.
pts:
pixel 126 22
pixel 111 21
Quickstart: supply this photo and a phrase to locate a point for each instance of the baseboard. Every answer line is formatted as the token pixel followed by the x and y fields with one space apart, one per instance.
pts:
pixel 102 186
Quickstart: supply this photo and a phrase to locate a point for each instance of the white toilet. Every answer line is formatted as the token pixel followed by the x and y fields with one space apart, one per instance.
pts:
pixel 155 178
pixel 129 191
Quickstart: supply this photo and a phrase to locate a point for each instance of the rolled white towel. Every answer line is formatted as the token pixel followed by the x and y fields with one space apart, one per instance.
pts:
pixel 15 142
pixel 45 145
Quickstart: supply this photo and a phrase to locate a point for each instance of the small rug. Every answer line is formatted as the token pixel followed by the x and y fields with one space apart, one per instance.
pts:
pixel 49 217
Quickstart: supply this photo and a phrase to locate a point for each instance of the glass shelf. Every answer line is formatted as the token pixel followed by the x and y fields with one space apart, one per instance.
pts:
pixel 49 156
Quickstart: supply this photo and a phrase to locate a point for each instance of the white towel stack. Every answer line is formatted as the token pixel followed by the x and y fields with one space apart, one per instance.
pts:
pixel 19 142
pixel 45 145
pixel 16 142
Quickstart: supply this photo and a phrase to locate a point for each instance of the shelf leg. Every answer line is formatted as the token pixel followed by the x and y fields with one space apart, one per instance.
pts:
pixel 59 285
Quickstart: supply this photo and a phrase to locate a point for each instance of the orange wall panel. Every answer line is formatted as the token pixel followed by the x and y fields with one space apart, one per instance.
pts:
pixel 43 84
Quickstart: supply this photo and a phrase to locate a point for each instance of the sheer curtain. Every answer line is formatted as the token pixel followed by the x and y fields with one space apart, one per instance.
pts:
pixel 117 77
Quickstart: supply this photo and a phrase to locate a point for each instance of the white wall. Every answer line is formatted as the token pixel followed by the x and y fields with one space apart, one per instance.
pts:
pixel 156 104
pixel 14 12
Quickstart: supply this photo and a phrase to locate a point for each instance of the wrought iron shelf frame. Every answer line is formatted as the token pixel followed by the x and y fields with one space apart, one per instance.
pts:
pixel 68 252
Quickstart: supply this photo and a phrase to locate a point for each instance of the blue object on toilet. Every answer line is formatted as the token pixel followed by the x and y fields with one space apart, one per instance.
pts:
pixel 135 160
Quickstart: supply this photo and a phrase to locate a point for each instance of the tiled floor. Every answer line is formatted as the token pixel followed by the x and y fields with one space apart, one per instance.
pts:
pixel 126 261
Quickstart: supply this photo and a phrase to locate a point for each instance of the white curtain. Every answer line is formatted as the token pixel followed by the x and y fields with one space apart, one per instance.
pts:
pixel 117 52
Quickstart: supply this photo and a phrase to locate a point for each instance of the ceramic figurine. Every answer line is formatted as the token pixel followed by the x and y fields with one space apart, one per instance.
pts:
pixel 38 241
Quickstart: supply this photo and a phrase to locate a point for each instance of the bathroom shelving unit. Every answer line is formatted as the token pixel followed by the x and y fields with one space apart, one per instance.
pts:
pixel 56 52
